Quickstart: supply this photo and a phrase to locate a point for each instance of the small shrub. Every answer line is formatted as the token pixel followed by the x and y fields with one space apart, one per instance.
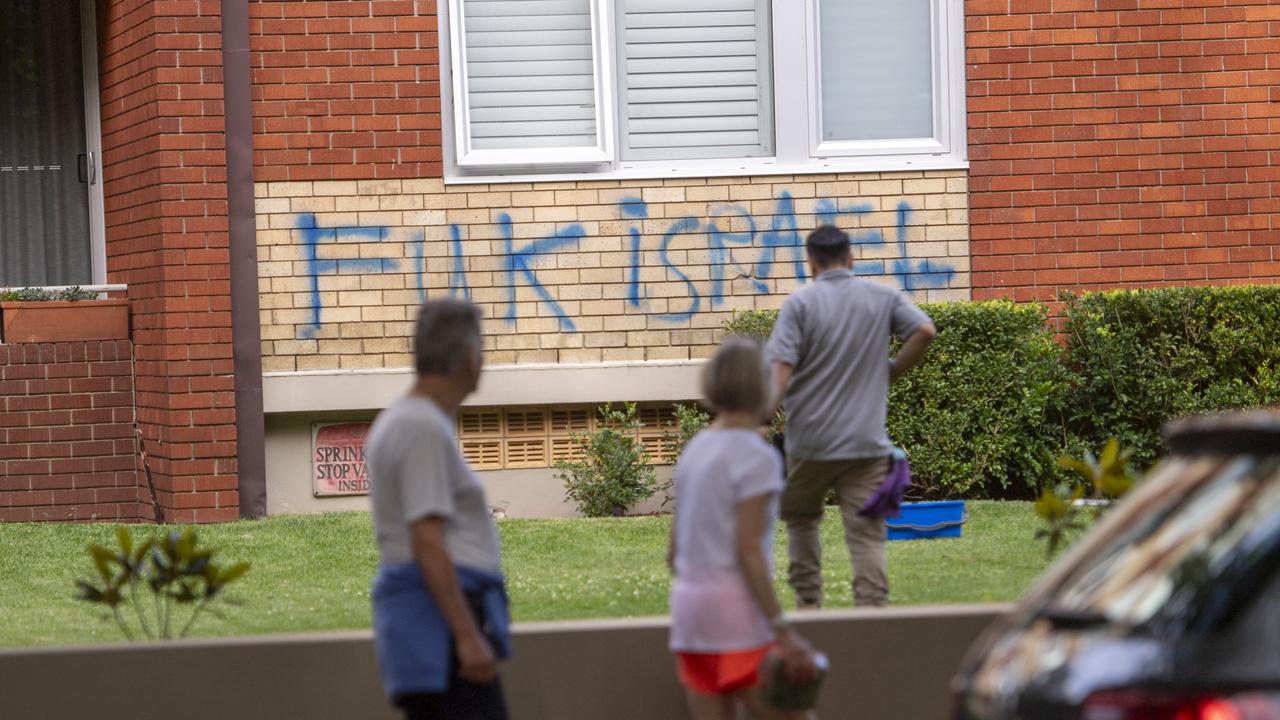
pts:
pixel 614 473
pixel 181 579
pixel 756 324
pixel 26 295
pixel 689 420
pixel 41 295
pixel 76 293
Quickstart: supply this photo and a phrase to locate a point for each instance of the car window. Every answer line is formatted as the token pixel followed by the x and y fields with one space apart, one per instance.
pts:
pixel 1186 551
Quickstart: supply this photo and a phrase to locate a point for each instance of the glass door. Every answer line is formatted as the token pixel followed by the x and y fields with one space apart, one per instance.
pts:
pixel 46 168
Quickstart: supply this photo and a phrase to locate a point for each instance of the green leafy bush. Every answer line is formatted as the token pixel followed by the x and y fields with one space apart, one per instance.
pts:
pixel 756 324
pixel 1141 357
pixel 982 414
pixel 689 420
pixel 614 473
pixel 182 580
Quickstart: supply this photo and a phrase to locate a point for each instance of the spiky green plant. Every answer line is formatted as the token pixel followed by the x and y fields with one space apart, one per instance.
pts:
pixel 182 579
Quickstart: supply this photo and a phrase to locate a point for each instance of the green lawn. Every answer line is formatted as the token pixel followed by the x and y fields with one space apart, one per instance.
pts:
pixel 312 572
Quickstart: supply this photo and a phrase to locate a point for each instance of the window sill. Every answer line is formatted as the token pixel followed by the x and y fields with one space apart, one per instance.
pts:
pixel 500 385
pixel 737 168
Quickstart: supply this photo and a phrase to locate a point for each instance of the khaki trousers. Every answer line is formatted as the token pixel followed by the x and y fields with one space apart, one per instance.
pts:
pixel 808 483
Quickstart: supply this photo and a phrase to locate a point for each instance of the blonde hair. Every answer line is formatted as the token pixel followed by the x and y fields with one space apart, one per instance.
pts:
pixel 735 378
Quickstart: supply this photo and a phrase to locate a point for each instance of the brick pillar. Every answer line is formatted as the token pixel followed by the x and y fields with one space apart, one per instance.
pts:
pixel 166 214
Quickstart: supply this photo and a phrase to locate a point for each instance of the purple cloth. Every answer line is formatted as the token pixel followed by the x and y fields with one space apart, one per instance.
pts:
pixel 886 501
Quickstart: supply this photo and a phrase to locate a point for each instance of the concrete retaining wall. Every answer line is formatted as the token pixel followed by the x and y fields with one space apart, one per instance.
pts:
pixel 886 665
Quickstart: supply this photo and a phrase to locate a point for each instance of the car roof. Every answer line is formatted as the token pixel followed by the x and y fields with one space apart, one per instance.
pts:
pixel 1254 432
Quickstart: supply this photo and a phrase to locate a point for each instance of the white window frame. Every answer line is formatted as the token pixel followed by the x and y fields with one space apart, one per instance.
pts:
pixel 93 140
pixel 945 16
pixel 603 152
pixel 794 53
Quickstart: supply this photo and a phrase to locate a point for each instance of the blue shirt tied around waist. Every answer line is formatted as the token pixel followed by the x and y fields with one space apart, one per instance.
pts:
pixel 413 643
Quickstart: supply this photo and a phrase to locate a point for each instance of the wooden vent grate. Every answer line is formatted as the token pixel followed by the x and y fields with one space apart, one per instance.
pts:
pixel 539 437
pixel 654 443
pixel 480 422
pixel 655 417
pixel 483 454
pixel 524 453
pixel 565 449
pixel 526 422
pixel 570 421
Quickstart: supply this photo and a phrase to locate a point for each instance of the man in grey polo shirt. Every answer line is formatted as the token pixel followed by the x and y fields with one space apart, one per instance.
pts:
pixel 831 371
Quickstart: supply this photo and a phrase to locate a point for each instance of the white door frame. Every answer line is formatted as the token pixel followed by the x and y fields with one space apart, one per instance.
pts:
pixel 93 140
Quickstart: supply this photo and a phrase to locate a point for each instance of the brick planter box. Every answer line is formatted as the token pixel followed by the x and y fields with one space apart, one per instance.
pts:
pixel 64 320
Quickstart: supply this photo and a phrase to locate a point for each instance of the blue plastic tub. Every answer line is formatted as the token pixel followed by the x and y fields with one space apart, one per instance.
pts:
pixel 928 520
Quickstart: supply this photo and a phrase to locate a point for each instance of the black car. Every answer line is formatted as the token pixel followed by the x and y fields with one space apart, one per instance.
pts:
pixel 1169 609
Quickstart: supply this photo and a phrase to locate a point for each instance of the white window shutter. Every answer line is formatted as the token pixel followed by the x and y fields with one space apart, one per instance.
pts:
pixel 530 85
pixel 694 79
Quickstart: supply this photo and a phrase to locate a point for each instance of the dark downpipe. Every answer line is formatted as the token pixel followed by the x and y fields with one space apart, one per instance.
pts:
pixel 246 335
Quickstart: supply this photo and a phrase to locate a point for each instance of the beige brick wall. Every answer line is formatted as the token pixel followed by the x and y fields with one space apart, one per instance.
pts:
pixel 579 271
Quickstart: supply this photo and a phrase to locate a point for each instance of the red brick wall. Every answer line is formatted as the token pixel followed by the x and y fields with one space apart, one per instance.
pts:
pixel 345 89
pixel 66 433
pixel 164 166
pixel 1122 142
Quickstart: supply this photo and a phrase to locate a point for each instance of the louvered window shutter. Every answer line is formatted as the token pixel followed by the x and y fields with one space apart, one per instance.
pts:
pixel 532 87
pixel 695 79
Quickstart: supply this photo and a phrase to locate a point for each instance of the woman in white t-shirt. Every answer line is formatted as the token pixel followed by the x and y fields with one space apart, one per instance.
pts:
pixel 724 616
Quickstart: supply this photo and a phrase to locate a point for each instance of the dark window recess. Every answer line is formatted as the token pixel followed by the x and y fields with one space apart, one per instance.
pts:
pixel 44 164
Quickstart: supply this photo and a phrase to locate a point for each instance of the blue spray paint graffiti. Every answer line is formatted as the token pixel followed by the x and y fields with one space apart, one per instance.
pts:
pixel 722 252
pixel 917 274
pixel 782 234
pixel 523 260
pixel 683 225
pixel 458 276
pixel 638 209
pixel 781 242
pixel 312 237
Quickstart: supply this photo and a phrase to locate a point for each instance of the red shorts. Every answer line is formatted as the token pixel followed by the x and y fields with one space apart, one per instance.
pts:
pixel 720 673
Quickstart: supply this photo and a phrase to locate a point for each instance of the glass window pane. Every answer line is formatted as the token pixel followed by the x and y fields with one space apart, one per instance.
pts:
pixel 44 208
pixel 876 69
pixel 694 78
pixel 530 71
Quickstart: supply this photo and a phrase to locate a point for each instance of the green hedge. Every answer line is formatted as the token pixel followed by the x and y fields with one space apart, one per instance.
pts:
pixel 1140 357
pixel 977 414
pixel 997 401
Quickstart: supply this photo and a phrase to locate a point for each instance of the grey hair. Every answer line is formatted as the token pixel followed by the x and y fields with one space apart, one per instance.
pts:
pixel 447 332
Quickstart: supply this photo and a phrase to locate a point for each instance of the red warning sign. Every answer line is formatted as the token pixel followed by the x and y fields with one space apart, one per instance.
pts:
pixel 338 458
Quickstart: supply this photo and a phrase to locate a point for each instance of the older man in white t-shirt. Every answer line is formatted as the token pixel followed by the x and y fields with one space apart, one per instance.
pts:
pixel 440 616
